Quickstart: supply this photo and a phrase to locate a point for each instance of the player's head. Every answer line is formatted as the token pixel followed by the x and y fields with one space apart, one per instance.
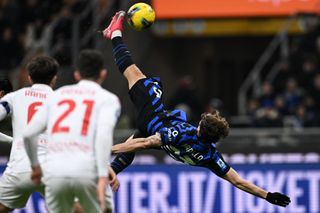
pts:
pixel 213 127
pixel 90 66
pixel 43 70
pixel 5 87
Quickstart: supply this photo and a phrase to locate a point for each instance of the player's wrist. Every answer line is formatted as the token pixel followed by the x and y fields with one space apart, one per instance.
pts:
pixel 35 163
pixel 277 198
pixel 36 166
pixel 269 196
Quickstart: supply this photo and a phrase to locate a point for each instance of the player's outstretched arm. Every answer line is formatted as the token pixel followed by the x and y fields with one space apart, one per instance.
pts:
pixel 5 138
pixel 136 144
pixel 103 143
pixel 275 198
pixel 36 126
pixel 124 159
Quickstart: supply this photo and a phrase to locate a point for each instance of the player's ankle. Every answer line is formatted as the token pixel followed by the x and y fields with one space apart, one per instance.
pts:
pixel 116 33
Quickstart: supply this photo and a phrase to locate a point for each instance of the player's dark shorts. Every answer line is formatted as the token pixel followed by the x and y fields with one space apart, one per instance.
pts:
pixel 146 94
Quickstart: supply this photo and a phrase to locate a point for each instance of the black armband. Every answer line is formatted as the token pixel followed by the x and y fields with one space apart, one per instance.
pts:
pixel 122 161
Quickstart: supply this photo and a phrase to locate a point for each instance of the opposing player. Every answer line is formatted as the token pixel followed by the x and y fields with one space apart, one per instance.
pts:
pixel 80 120
pixel 15 184
pixel 114 185
pixel 182 141
pixel 5 88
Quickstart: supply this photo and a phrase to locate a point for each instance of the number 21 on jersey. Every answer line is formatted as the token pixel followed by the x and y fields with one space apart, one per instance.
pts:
pixel 70 107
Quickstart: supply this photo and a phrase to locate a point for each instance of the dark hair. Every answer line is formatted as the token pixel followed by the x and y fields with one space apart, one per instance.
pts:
pixel 213 127
pixel 5 85
pixel 42 69
pixel 90 63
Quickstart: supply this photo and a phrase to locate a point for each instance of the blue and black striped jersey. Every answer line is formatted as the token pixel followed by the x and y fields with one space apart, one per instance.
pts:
pixel 181 142
pixel 179 138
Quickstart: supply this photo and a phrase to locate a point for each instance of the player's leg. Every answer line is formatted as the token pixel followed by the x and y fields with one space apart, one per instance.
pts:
pixel 15 191
pixel 120 51
pixel 59 195
pixel 86 191
pixel 77 208
pixel 145 93
pixel 133 74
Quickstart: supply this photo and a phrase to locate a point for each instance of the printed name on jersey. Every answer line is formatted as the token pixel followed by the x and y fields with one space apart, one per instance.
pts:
pixel 176 154
pixel 78 91
pixel 194 153
pixel 35 94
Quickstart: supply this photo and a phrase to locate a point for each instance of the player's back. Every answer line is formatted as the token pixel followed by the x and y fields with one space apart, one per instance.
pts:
pixel 181 141
pixel 73 113
pixel 22 105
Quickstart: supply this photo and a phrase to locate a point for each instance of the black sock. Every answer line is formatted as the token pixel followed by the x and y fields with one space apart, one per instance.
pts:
pixel 121 54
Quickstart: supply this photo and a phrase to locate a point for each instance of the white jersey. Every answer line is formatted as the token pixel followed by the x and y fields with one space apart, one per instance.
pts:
pixel 23 104
pixel 80 120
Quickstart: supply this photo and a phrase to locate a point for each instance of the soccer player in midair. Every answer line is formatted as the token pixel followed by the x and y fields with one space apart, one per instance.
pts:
pixel 170 131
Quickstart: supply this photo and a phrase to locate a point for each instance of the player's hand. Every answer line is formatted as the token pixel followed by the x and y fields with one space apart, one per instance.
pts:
pixel 101 190
pixel 36 175
pixel 113 180
pixel 154 140
pixel 277 198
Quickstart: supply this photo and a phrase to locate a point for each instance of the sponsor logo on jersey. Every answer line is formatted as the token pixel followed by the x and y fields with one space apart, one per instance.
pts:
pixel 221 164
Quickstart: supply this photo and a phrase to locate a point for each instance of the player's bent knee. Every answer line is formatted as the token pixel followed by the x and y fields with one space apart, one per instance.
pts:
pixel 133 74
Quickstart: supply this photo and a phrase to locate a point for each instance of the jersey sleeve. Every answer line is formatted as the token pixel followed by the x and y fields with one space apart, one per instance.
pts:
pixel 217 164
pixel 6 105
pixel 36 126
pixel 107 118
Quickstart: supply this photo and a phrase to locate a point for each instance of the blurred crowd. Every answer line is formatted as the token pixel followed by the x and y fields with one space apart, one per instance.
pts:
pixel 24 25
pixel 187 98
pixel 21 24
pixel 292 98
